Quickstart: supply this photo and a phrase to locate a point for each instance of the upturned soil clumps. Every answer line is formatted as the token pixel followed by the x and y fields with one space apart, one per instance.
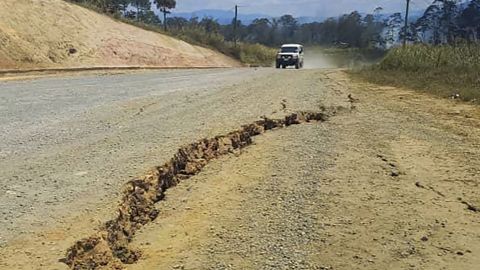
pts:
pixel 109 247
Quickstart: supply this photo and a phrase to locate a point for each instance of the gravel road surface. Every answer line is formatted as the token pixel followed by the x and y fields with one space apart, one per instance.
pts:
pixel 32 111
pixel 61 137
pixel 390 182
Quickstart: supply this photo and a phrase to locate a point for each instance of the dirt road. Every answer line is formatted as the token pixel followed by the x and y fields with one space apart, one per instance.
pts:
pixel 389 182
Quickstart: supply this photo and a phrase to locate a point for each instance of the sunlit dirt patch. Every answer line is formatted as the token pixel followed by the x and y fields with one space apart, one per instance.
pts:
pixel 109 247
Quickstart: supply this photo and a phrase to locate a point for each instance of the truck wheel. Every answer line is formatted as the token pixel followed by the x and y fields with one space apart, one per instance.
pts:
pixel 284 66
pixel 277 65
pixel 297 65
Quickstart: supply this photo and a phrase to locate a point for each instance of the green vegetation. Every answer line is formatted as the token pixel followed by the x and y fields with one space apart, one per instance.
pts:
pixel 361 38
pixel 255 54
pixel 255 41
pixel 445 70
pixel 205 32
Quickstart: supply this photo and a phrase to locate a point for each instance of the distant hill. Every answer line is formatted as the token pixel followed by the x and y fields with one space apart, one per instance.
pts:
pixel 226 16
pixel 223 16
pixel 307 19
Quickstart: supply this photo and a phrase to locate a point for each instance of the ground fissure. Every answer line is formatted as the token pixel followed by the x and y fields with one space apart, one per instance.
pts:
pixel 110 246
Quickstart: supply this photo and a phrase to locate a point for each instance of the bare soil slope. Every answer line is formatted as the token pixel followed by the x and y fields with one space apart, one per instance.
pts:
pixel 57 34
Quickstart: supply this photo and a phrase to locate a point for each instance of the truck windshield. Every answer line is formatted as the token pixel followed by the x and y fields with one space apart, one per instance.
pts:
pixel 289 49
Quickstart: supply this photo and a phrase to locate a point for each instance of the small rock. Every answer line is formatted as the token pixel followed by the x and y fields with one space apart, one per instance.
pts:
pixel 395 173
pixel 424 239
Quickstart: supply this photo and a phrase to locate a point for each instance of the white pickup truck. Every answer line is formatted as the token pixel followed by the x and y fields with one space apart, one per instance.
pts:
pixel 290 55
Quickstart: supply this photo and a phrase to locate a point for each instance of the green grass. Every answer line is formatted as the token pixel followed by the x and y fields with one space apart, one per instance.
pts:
pixel 441 70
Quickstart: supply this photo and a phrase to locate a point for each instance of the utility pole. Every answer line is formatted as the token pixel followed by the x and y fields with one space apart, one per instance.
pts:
pixel 235 21
pixel 405 31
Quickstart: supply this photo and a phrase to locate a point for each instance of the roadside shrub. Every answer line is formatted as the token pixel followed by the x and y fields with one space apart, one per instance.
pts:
pixel 446 70
pixel 256 54
pixel 250 54
pixel 465 56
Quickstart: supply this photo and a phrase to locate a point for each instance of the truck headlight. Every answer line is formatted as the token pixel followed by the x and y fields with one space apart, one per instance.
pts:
pixel 295 57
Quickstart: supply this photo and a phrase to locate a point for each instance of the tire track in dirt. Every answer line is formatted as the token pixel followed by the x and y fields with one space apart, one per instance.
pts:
pixel 110 247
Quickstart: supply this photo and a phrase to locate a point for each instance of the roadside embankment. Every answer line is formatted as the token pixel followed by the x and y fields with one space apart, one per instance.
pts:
pixel 57 34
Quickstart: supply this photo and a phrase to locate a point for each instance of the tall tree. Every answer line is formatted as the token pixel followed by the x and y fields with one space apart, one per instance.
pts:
pixel 123 5
pixel 240 29
pixel 288 26
pixel 165 6
pixel 448 21
pixel 392 29
pixel 177 23
pixel 439 23
pixel 210 25
pixel 142 6
pixel 469 21
pixel 329 31
pixel 350 29
pixel 259 31
pixel 372 28
pixel 273 38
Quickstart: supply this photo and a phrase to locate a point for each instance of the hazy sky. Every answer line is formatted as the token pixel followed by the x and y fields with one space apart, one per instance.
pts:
pixel 321 8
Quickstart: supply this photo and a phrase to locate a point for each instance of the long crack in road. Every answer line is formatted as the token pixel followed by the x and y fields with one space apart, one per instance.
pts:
pixel 390 184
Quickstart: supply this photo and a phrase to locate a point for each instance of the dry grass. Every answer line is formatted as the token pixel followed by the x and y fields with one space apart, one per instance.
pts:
pixel 440 70
pixel 58 34
pixel 255 54
pixel 250 54
pixel 247 53
pixel 424 57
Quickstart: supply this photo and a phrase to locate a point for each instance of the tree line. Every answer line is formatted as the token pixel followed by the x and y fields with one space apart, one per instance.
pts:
pixel 140 10
pixel 445 21
pixel 353 30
